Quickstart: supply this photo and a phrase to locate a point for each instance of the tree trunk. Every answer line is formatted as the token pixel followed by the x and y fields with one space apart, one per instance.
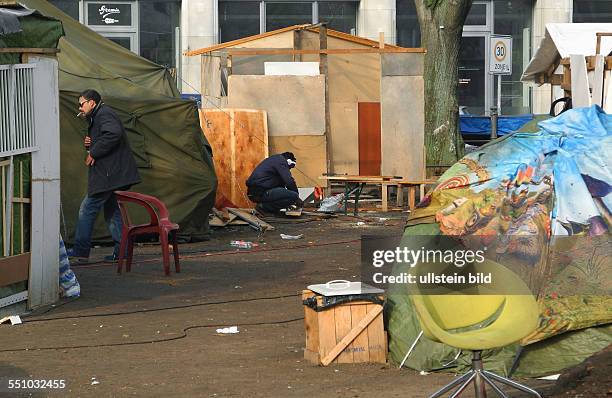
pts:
pixel 441 29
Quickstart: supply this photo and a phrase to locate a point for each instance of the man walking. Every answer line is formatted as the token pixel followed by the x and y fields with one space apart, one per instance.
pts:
pixel 111 167
pixel 271 184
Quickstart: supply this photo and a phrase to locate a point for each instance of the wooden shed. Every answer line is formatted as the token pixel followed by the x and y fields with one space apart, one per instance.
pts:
pixel 359 109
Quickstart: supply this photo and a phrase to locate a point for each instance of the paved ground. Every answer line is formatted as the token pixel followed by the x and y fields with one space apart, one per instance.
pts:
pixel 118 340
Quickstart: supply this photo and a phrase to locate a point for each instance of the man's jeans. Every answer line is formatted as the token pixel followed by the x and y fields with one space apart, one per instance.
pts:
pixel 278 198
pixel 88 212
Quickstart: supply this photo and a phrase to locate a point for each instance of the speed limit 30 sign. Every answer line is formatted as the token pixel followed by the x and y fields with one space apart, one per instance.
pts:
pixel 500 55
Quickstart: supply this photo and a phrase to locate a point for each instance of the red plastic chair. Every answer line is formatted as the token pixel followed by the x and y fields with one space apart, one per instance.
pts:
pixel 159 224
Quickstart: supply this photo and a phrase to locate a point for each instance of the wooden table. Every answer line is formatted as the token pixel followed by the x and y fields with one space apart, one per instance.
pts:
pixel 352 182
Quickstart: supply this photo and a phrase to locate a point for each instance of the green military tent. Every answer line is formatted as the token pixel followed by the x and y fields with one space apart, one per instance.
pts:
pixel 173 156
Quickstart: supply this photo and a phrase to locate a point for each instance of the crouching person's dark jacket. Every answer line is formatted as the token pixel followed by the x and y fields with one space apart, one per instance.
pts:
pixel 272 172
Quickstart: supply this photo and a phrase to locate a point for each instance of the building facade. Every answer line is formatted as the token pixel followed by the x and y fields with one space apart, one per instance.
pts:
pixel 161 30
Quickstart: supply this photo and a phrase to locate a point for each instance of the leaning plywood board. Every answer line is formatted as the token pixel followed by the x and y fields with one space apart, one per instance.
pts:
pixel 309 151
pixel 239 139
pixel 402 132
pixel 216 127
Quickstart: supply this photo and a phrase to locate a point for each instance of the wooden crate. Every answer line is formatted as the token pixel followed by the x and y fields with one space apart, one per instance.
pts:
pixel 346 333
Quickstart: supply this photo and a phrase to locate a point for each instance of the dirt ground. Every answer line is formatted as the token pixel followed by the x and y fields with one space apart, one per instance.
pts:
pixel 144 334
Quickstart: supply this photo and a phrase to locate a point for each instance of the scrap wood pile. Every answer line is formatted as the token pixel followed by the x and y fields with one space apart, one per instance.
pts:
pixel 236 216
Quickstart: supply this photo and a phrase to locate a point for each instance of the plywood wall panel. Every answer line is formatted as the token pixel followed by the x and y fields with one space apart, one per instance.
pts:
pixel 309 151
pixel 295 104
pixel 402 135
pixel 344 137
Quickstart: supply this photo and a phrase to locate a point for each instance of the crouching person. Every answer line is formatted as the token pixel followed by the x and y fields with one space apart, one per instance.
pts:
pixel 272 186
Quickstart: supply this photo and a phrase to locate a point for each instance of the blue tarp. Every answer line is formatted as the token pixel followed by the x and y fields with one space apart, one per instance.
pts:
pixel 481 125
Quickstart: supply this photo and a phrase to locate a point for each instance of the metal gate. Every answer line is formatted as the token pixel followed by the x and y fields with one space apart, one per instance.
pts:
pixel 17 137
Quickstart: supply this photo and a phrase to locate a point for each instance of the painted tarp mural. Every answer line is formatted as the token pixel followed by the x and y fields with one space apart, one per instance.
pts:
pixel 540 203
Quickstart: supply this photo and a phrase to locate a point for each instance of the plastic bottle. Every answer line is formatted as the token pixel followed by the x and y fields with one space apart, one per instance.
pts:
pixel 243 244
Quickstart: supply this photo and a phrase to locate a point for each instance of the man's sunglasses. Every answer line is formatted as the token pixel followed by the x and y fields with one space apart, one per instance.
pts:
pixel 84 102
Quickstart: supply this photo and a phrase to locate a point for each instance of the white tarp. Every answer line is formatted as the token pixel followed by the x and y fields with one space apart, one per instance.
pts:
pixel 291 68
pixel 564 39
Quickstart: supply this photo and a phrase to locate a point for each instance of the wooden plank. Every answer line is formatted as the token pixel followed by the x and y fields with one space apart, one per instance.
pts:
pixel 2 209
pixel 327 333
pixel 354 178
pixel 327 359
pixel 311 330
pixel 252 220
pixel 360 344
pixel 368 114
pixel 580 82
pixel 384 195
pixel 377 347
pixel 216 222
pixel 415 182
pixel 598 80
pixel 599 35
pixel 21 212
pixel 342 314
pixel 607 105
pixel 329 51
pixel 14 269
pixel 400 196
pixel 35 50
pixel 324 70
pixel 237 221
pixel 411 197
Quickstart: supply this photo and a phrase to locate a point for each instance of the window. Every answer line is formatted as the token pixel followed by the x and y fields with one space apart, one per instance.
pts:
pixel 514 18
pixel 242 18
pixel 238 19
pixel 70 7
pixel 109 14
pixel 592 11
pixel 407 24
pixel 158 22
pixel 340 15
pixel 477 15
pixel 281 15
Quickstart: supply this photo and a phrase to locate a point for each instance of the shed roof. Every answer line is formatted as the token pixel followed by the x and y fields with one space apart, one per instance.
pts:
pixel 309 27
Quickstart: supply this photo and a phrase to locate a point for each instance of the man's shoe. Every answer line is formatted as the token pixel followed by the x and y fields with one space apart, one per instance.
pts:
pixel 111 258
pixel 76 258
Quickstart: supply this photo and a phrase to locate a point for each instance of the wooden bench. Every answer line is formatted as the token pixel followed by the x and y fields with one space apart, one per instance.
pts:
pixel 400 184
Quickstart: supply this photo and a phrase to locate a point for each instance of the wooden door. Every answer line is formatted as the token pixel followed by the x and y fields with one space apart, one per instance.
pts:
pixel 369 138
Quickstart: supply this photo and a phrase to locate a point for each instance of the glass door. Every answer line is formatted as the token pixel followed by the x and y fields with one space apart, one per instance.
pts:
pixel 125 40
pixel 474 89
